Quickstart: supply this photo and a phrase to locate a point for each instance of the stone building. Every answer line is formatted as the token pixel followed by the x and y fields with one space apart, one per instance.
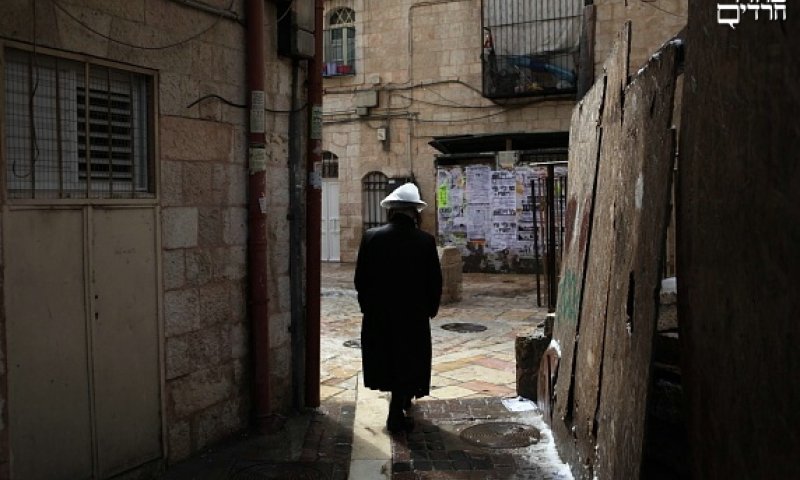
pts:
pixel 475 76
pixel 125 250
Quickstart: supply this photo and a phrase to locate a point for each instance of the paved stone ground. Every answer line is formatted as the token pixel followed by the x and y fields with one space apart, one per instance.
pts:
pixel 471 373
pixel 465 365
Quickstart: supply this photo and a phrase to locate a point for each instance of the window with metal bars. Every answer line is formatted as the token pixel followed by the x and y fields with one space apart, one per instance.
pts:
pixel 340 43
pixel 530 47
pixel 330 165
pixel 76 130
pixel 374 188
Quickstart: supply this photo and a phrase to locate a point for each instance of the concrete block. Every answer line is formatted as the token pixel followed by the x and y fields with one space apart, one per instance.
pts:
pixel 73 36
pixel 234 226
pixel 179 441
pixel 180 227
pixel 198 181
pixel 231 263
pixel 210 227
pixel 195 140
pixel 199 390
pixel 181 308
pixel 240 340
pixel 199 267
pixel 171 184
pixel 217 422
pixel 214 303
pixel 197 350
pixel 174 268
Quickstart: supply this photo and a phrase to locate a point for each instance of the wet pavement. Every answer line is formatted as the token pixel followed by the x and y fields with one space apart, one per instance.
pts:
pixel 473 384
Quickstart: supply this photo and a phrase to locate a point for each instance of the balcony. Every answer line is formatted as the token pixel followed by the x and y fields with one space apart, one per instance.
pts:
pixel 530 48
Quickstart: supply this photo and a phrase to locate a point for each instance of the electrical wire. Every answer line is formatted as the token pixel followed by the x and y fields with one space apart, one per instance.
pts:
pixel 651 4
pixel 286 12
pixel 132 45
pixel 242 105
pixel 445 105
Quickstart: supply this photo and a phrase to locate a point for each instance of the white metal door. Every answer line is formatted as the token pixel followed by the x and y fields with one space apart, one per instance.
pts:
pixel 330 220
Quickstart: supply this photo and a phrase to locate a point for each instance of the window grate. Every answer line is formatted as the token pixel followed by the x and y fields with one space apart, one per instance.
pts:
pixel 330 165
pixel 69 138
pixel 530 48
pixel 374 186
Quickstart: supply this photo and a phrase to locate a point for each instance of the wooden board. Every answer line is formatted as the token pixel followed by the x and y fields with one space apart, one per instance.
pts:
pixel 583 152
pixel 641 209
pixel 592 318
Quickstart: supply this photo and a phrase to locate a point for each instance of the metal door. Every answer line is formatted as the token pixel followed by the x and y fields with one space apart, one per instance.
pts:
pixel 83 334
pixel 48 360
pixel 330 221
pixel 125 331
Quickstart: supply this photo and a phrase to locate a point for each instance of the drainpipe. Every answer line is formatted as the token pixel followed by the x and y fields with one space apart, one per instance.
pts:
pixel 314 214
pixel 257 218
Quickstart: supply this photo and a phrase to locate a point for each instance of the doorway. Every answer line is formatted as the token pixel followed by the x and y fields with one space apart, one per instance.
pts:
pixel 330 208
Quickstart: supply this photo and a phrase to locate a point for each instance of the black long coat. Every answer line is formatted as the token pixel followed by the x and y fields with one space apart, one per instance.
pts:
pixel 399 284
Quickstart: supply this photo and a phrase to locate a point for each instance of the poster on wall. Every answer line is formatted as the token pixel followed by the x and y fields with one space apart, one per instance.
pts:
pixel 494 216
pixel 478 178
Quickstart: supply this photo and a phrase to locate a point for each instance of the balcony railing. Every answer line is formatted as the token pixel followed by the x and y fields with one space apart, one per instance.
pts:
pixel 530 48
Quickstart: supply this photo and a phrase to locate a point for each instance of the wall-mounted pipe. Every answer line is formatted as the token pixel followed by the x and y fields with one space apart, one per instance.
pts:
pixel 314 213
pixel 257 217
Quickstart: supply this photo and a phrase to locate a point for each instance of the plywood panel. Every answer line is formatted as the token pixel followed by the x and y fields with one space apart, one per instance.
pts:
pixel 126 338
pixel 589 353
pixel 583 153
pixel 641 212
pixel 48 382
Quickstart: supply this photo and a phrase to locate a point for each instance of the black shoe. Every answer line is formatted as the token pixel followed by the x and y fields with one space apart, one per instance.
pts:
pixel 397 422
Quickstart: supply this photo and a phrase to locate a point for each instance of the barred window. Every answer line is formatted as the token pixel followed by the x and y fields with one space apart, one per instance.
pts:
pixel 67 137
pixel 330 165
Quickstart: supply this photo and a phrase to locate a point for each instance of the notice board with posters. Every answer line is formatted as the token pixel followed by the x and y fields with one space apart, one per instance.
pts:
pixel 494 217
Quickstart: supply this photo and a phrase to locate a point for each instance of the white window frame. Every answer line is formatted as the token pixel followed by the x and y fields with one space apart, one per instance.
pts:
pixel 132 177
pixel 347 31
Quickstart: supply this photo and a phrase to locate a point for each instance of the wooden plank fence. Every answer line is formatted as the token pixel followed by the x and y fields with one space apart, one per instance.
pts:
pixel 620 177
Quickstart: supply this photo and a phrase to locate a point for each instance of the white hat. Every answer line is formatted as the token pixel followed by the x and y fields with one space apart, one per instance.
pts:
pixel 404 196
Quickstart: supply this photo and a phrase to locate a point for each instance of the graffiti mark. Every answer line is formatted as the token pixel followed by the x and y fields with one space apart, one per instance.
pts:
pixel 568 298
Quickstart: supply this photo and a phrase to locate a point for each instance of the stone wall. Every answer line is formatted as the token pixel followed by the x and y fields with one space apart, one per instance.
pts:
pixel 203 192
pixel 423 59
pixel 652 24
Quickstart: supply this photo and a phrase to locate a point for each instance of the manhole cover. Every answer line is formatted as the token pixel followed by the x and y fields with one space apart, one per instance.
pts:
pixel 501 435
pixel 352 343
pixel 463 327
pixel 280 471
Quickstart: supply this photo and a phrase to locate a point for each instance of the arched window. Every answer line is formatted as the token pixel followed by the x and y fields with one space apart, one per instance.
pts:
pixel 340 42
pixel 373 188
pixel 330 165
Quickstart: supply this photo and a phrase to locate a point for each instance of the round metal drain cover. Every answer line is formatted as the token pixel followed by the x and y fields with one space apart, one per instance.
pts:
pixel 501 435
pixel 280 471
pixel 352 343
pixel 463 327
